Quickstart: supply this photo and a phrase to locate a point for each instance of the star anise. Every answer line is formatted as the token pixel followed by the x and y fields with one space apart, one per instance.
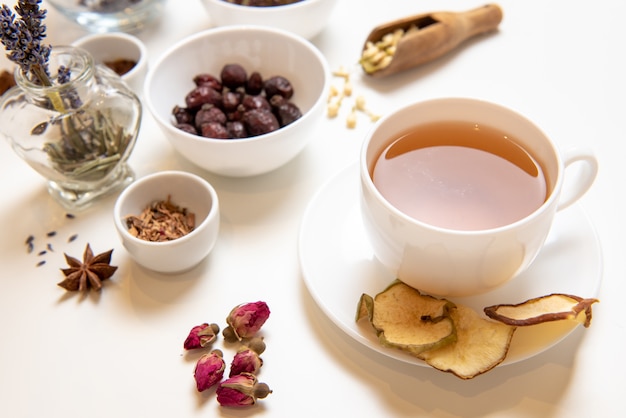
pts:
pixel 90 273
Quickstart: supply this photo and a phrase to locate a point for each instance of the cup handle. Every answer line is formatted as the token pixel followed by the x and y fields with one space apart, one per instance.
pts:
pixel 575 188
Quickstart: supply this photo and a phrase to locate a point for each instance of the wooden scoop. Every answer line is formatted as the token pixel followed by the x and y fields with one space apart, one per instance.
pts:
pixel 433 35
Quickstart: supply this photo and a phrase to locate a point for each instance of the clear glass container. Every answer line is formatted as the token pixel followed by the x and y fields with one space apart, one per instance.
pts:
pixel 77 135
pixel 110 15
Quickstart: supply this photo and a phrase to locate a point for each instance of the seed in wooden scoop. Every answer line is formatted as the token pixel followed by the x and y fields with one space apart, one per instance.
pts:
pixel 553 307
pixel 406 319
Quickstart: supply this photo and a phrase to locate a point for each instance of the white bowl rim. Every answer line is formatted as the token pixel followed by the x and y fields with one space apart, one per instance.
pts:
pixel 262 9
pixel 235 29
pixel 210 217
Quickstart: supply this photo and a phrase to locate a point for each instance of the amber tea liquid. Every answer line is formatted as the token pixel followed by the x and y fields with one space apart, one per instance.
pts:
pixel 460 176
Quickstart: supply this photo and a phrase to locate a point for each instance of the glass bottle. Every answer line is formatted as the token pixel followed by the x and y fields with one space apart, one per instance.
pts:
pixel 78 135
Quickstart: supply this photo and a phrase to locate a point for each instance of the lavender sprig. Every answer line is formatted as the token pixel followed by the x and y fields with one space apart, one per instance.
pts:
pixel 22 38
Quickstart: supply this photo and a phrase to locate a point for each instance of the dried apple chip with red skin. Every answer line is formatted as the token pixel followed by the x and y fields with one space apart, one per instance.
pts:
pixel 552 307
pixel 481 345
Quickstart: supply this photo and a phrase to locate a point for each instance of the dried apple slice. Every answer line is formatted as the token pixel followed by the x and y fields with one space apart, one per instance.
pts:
pixel 406 319
pixel 553 307
pixel 481 345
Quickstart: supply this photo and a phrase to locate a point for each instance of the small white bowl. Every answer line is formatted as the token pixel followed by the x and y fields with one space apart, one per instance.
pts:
pixel 185 190
pixel 269 51
pixel 106 47
pixel 306 18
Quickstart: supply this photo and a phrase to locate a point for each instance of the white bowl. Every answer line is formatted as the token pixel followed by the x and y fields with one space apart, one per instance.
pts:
pixel 270 52
pixel 106 47
pixel 187 191
pixel 306 18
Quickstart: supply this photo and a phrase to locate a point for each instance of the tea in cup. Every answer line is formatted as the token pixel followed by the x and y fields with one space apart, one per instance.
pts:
pixel 458 195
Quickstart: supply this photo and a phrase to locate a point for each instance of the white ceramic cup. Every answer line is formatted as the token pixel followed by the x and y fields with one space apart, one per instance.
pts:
pixel 448 262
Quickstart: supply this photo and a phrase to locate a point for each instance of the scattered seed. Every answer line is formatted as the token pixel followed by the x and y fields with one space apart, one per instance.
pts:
pixel 72 238
pixel 41 263
pixel 70 216
pixel 30 239
pixel 49 247
pixel 31 247
pixel 43 252
pixel 51 233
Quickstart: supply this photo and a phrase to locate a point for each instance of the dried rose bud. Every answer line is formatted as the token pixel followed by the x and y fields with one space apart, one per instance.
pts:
pixel 246 360
pixel 245 320
pixel 241 390
pixel 201 336
pixel 209 370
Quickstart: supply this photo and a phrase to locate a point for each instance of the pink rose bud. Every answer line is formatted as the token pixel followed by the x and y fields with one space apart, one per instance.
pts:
pixel 247 361
pixel 246 320
pixel 241 390
pixel 201 336
pixel 209 370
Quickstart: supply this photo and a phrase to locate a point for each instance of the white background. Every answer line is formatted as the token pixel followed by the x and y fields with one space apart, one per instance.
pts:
pixel 119 353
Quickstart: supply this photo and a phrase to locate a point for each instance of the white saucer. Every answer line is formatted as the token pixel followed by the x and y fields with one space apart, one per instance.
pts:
pixel 338 266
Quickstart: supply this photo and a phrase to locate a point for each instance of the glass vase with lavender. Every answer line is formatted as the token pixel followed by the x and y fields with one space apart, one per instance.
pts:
pixel 74 122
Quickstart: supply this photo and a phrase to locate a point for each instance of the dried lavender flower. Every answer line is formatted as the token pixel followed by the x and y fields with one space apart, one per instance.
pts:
pixel 22 38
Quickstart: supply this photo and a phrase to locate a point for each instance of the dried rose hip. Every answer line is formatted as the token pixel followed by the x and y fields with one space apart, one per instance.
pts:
pixel 209 113
pixel 236 105
pixel 254 85
pixel 214 130
pixel 201 95
pixel 260 121
pixel 233 76
pixel 208 80
pixel 278 85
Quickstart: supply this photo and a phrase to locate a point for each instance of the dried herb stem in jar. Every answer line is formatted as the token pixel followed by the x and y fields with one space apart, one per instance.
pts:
pixel 162 220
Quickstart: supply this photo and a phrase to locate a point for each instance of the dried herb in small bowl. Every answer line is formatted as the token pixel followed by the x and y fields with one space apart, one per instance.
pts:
pixel 160 221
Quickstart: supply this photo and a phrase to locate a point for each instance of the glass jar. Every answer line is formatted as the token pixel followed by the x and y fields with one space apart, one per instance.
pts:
pixel 77 135
pixel 110 15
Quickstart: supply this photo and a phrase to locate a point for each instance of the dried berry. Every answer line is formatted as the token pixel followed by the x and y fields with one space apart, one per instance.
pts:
pixel 209 370
pixel 187 128
pixel 241 390
pixel 209 113
pixel 286 112
pixel 254 86
pixel 278 85
pixel 214 104
pixel 233 76
pixel 255 102
pixel 183 115
pixel 259 122
pixel 201 95
pixel 208 80
pixel 236 130
pixel 214 130
pixel 230 101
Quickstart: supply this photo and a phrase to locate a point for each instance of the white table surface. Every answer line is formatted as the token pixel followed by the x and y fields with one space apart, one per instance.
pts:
pixel 119 353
